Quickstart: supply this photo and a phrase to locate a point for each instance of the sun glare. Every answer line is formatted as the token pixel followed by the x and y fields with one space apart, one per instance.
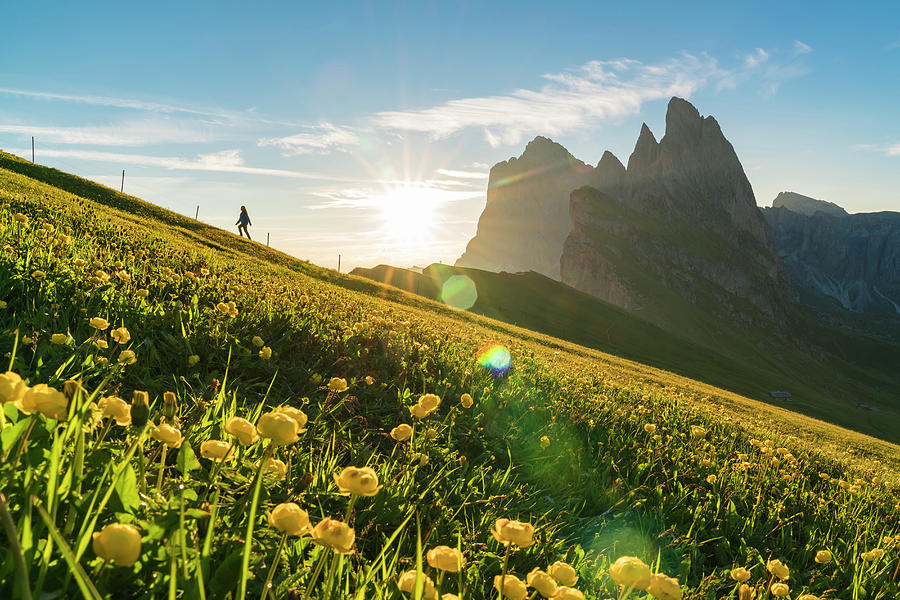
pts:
pixel 409 213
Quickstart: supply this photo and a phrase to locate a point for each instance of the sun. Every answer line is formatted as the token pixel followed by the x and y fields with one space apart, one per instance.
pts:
pixel 408 213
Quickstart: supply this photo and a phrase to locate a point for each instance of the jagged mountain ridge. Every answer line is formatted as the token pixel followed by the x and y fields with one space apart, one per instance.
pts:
pixel 681 215
pixel 851 258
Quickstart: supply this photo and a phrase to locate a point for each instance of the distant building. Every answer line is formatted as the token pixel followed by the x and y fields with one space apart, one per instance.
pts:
pixel 781 395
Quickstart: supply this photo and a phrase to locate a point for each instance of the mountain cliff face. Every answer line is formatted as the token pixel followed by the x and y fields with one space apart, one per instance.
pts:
pixel 805 205
pixel 526 218
pixel 852 258
pixel 682 217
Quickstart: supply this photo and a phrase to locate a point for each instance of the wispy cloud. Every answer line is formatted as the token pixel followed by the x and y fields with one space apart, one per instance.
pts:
pixel 801 48
pixel 888 149
pixel 756 58
pixel 112 102
pixel 426 192
pixel 145 132
pixel 462 174
pixel 226 161
pixel 316 138
pixel 596 91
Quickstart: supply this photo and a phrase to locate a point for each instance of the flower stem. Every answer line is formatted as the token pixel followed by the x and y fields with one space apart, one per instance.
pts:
pixel 505 567
pixel 251 522
pixel 162 466
pixel 268 585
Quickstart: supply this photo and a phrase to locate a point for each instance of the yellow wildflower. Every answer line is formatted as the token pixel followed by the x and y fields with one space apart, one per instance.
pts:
pixel 355 481
pixel 12 387
pixel 630 572
pixel 778 569
pixel 127 357
pixel 511 587
pixel 445 558
pixel 217 451
pixel 113 407
pixel 265 353
pixel 337 385
pixel 168 435
pixel 518 533
pixel 664 587
pixel 59 339
pixel 466 401
pixel 118 543
pixel 289 518
pixel 402 432
pixel 336 535
pixel 44 399
pixel 563 573
pixel 120 335
pixel 192 360
pixel 740 574
pixel 542 582
pixel 280 428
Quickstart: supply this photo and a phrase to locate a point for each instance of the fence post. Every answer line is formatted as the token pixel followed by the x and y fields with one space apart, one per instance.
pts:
pixel 197 213
pixel 267 238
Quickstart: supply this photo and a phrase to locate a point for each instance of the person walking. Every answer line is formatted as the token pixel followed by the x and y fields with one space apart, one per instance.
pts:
pixel 242 223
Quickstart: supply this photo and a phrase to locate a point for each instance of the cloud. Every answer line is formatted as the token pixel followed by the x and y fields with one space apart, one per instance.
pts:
pixel 801 48
pixel 433 193
pixel 574 99
pixel 129 133
pixel 227 161
pixel 756 58
pixel 112 102
pixel 888 149
pixel 462 174
pixel 321 137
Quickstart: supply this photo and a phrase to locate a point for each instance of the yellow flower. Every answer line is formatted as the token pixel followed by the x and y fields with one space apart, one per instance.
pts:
pixel 513 532
pixel 740 574
pixel 542 582
pixel 258 341
pixel 873 555
pixel 407 583
pixel 823 557
pixel 21 219
pixel 563 573
pixel 445 558
pixel 121 335
pixel 38 275
pixel 12 387
pixel 569 593
pixel 746 592
pixel 278 427
pixel 369 380
pixel 168 435
pixel 242 429
pixel 273 465
pixel 630 572
pixel 649 427
pixel 334 534
pixel 697 431
pixel 808 597
pixel 511 586
pixel 140 408
pixel 113 407
pixel 778 569
pixel 706 463
pixel 780 590
pixel 2 304
pixel 429 402
pixel 417 411
pixel 422 458
pixel 265 353
pixel 664 587
pixel 42 398
pixel 102 344
pixel 887 540
pixel 337 385
pixel 357 481
pixel 192 360
pixel 118 543
pixel 466 401
pixel 711 479
pixel 449 596
pixel 296 414
pixel 545 442
pixel 142 292
pixel 290 519
pixel 99 323
pixel 402 432
pixel 431 433
pixel 216 450
pixel 127 357
pixel 59 339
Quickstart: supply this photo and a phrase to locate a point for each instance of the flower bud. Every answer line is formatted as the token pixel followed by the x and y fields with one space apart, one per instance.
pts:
pixel 357 481
pixel 140 409
pixel 170 407
pixel 290 519
pixel 118 543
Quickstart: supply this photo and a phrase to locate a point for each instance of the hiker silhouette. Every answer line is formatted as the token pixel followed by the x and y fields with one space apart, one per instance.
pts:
pixel 242 223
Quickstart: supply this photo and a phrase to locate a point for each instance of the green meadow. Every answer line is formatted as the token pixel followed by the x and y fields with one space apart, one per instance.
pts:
pixel 186 414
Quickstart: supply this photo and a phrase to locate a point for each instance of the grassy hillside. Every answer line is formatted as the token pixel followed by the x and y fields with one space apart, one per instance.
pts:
pixel 828 371
pixel 104 296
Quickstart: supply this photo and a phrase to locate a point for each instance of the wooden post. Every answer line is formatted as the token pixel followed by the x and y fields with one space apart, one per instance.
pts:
pixel 123 182
pixel 32 149
pixel 197 213
pixel 267 238
pixel 339 263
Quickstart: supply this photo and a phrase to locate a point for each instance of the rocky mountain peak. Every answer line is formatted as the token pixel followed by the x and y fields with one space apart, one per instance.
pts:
pixel 806 205
pixel 646 150
pixel 544 150
pixel 610 172
pixel 683 120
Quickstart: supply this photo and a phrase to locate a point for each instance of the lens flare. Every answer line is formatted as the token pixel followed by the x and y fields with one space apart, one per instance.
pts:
pixel 459 292
pixel 495 358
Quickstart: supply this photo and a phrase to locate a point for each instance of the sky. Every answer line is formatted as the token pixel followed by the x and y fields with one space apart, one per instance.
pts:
pixel 367 129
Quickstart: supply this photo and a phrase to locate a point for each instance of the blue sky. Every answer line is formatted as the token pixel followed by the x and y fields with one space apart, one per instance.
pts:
pixel 367 129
